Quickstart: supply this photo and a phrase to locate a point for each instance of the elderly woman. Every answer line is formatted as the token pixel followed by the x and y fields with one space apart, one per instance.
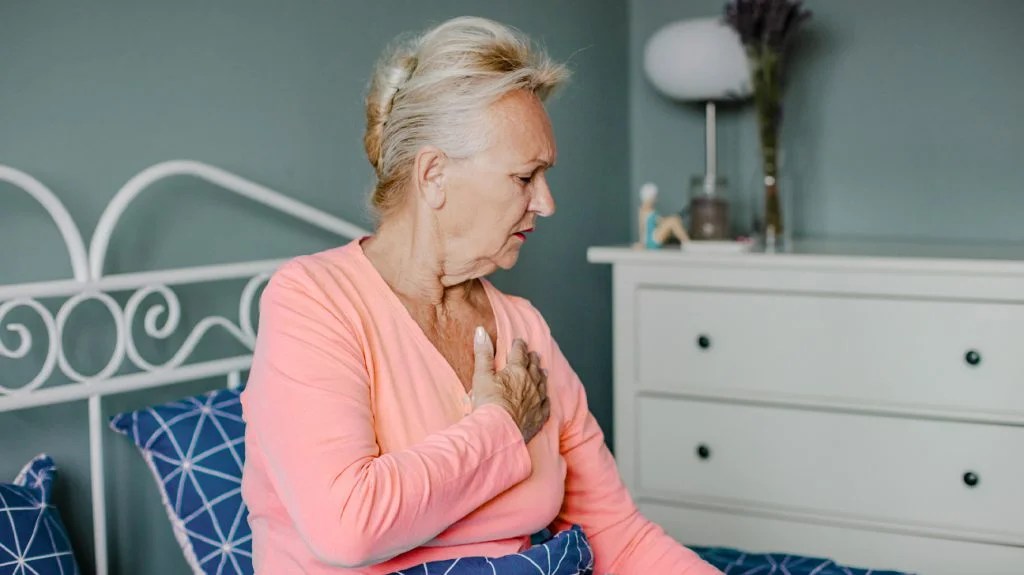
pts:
pixel 400 408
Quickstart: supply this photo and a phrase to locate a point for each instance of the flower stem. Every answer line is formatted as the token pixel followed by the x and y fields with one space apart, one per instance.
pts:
pixel 767 94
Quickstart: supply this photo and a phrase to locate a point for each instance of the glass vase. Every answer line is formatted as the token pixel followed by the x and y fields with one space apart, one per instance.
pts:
pixel 770 196
pixel 770 225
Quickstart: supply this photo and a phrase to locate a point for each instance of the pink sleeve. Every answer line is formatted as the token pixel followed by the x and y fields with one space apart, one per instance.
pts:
pixel 307 406
pixel 624 542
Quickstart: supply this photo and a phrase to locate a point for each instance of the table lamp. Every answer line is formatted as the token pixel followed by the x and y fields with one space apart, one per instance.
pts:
pixel 701 60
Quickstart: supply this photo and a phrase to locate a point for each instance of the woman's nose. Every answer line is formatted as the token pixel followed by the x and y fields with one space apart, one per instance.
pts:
pixel 543 203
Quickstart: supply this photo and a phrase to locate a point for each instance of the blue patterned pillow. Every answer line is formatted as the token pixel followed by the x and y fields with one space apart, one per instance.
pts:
pixel 195 449
pixel 567 553
pixel 33 538
pixel 735 561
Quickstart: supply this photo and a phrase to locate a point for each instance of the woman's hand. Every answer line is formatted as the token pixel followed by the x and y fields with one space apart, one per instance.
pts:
pixel 521 388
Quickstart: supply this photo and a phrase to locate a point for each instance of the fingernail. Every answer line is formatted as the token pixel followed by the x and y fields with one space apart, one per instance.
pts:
pixel 481 335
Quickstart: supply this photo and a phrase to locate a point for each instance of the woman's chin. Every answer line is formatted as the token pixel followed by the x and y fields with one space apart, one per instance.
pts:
pixel 508 260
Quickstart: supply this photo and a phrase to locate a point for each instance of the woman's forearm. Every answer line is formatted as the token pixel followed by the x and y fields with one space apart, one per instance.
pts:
pixel 356 511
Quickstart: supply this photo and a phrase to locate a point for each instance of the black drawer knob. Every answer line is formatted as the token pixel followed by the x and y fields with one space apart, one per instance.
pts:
pixel 703 341
pixel 972 357
pixel 703 451
pixel 971 479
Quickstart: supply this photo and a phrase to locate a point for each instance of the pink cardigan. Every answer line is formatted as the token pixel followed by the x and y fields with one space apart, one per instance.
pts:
pixel 364 455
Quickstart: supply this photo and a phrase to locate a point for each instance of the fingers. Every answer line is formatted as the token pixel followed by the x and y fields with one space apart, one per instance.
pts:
pixel 538 374
pixel 483 352
pixel 535 372
pixel 518 356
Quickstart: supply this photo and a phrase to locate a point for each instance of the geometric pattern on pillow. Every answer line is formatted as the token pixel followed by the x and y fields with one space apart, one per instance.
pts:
pixel 732 561
pixel 567 553
pixel 195 448
pixel 33 539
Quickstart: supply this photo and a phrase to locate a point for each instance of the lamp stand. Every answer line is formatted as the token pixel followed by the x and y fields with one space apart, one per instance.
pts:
pixel 708 208
pixel 710 149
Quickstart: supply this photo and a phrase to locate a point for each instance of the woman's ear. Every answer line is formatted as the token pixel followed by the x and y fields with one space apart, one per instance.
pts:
pixel 429 173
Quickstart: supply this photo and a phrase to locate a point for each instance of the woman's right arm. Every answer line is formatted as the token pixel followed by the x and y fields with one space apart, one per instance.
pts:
pixel 307 408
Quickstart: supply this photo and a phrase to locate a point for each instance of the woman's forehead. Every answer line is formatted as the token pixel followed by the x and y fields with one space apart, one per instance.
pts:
pixel 520 126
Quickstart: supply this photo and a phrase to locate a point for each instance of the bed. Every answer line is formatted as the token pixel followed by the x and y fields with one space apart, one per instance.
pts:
pixel 191 444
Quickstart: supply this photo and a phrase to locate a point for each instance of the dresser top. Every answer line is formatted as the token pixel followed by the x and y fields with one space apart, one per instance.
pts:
pixel 852 254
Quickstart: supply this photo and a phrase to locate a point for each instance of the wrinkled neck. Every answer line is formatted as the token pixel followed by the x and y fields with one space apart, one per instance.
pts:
pixel 409 251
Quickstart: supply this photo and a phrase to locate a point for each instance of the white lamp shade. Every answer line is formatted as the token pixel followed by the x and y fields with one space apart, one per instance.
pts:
pixel 701 59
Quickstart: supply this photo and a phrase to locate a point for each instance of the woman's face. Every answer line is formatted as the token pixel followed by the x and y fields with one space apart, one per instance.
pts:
pixel 493 199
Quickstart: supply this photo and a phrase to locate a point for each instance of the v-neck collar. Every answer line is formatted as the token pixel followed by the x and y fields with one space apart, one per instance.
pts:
pixel 493 298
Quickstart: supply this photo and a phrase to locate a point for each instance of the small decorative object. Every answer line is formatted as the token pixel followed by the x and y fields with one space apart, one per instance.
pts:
pixel 765 27
pixel 656 230
pixel 701 60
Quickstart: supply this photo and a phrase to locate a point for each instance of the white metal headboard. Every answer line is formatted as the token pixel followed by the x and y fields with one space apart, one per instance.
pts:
pixel 160 320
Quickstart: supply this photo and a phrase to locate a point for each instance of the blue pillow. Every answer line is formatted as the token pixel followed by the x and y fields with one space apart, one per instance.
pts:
pixel 195 449
pixel 567 553
pixel 33 538
pixel 736 561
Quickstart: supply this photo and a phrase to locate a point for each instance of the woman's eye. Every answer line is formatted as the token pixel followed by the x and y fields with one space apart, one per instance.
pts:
pixel 525 180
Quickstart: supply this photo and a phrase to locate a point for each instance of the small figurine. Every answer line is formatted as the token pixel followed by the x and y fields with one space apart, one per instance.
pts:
pixel 656 229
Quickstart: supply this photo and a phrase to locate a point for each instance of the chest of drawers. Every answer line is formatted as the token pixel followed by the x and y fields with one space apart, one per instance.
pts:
pixel 853 401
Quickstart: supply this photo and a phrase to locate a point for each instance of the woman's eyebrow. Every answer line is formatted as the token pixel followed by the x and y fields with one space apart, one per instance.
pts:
pixel 538 163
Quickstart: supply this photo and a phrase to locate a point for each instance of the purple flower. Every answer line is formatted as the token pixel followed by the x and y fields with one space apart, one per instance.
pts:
pixel 765 24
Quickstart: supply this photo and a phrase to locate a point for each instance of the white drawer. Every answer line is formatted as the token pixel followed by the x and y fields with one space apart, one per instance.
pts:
pixel 884 353
pixel 905 472
pixel 847 546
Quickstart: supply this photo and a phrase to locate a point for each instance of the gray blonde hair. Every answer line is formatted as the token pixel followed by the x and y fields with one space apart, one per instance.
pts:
pixel 433 89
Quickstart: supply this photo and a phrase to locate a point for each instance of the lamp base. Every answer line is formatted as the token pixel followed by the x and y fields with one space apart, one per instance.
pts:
pixel 708 209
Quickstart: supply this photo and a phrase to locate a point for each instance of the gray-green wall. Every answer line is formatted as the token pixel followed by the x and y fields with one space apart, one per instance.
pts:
pixel 901 120
pixel 92 93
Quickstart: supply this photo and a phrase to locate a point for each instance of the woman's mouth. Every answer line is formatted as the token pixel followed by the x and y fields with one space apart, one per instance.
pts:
pixel 522 235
